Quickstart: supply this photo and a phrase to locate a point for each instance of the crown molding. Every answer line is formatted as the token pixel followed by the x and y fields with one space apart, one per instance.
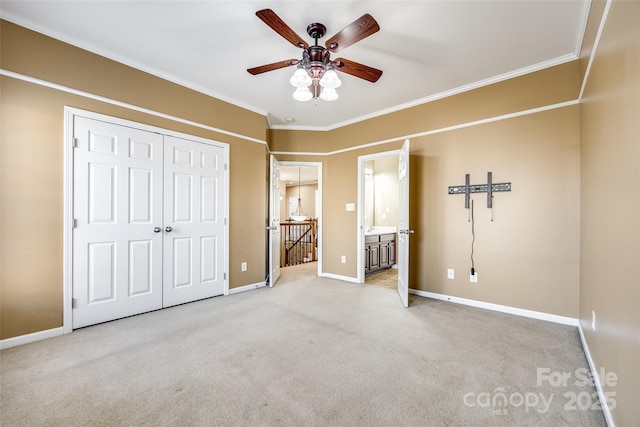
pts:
pixel 18 20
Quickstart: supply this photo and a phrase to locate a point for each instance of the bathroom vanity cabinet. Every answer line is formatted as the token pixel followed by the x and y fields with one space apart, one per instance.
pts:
pixel 379 252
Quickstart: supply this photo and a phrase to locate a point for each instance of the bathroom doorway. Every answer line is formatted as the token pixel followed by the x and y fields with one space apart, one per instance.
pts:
pixel 378 185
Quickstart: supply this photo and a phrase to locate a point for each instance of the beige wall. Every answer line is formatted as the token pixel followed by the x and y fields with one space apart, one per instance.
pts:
pixel 32 166
pixel 610 207
pixel 307 197
pixel 528 256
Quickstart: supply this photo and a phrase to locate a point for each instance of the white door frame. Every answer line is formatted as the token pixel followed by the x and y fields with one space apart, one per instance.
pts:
pixel 67 270
pixel 360 246
pixel 318 206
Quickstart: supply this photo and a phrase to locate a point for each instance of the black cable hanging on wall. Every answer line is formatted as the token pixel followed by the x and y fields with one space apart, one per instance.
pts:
pixel 473 240
pixel 467 189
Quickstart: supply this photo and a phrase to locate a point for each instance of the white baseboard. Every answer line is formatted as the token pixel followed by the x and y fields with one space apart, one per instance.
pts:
pixel 247 287
pixel 497 307
pixel 339 277
pixel 596 378
pixel 29 338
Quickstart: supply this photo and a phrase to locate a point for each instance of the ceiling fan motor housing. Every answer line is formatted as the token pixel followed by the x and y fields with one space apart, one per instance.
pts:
pixel 316 31
pixel 315 60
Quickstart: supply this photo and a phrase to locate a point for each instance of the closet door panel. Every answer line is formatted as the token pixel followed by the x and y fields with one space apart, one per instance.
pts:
pixel 117 202
pixel 194 178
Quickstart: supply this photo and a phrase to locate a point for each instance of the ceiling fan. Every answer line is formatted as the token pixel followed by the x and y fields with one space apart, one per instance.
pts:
pixel 315 76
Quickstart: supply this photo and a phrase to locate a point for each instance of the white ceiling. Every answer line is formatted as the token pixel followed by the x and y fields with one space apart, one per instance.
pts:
pixel 426 49
pixel 290 174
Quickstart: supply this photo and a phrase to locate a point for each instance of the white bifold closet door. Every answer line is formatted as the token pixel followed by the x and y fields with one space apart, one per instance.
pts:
pixel 148 221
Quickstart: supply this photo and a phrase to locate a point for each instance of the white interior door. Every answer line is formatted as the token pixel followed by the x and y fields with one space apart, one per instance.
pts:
pixel 274 222
pixel 403 225
pixel 194 229
pixel 117 254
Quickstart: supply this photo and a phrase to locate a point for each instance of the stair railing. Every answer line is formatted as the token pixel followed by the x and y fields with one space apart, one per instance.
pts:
pixel 299 242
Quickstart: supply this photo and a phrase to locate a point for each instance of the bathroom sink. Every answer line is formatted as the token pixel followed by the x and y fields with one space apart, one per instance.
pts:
pixel 372 231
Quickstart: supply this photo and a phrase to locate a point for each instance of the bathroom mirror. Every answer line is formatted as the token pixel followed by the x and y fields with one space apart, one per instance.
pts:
pixel 381 193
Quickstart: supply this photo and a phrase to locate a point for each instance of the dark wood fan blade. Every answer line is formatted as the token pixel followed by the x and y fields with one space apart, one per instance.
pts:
pixel 270 18
pixel 352 33
pixel 274 66
pixel 358 70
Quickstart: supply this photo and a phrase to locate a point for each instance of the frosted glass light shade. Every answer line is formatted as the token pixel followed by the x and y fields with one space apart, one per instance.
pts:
pixel 302 94
pixel 300 79
pixel 330 80
pixel 328 94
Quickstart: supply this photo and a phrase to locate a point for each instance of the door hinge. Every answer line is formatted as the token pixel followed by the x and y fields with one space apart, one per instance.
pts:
pixel 225 166
pixel 75 223
pixel 74 302
pixel 224 276
pixel 225 221
pixel 74 143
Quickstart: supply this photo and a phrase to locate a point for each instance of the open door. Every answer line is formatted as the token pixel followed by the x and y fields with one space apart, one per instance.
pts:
pixel 274 222
pixel 403 224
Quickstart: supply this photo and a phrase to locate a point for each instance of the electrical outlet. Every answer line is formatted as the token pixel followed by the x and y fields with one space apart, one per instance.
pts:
pixel 344 259
pixel 243 266
pixel 473 277
pixel 593 320
pixel 450 273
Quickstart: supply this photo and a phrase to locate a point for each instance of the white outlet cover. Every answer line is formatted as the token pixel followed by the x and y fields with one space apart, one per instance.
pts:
pixel 450 273
pixel 351 207
pixel 473 277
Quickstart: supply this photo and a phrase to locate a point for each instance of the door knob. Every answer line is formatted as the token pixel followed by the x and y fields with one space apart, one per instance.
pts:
pixel 157 229
pixel 168 229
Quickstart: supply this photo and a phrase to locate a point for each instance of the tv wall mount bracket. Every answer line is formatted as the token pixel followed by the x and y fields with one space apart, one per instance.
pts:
pixel 488 188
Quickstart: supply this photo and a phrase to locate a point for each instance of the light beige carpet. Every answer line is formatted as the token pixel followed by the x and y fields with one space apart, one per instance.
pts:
pixel 309 352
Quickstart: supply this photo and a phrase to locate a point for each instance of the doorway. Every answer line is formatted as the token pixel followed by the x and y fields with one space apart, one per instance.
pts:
pixel 384 246
pixel 301 212
pixel 379 219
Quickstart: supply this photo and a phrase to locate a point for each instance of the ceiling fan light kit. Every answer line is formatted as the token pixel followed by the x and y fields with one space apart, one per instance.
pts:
pixel 328 94
pixel 301 79
pixel 316 75
pixel 328 82
pixel 330 79
pixel 302 94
